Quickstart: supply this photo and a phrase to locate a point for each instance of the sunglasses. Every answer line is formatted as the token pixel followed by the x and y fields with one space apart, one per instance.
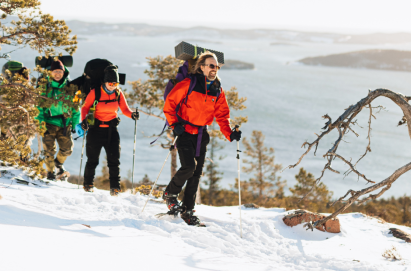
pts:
pixel 112 84
pixel 213 67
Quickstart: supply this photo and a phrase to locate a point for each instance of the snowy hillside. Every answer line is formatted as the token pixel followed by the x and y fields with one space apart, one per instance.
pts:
pixel 60 227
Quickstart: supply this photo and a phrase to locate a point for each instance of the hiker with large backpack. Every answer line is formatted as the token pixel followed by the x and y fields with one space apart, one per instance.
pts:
pixel 100 118
pixel 59 120
pixel 191 105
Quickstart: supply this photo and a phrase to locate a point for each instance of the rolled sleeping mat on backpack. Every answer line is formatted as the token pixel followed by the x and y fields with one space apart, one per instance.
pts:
pixel 122 78
pixel 46 62
pixel 186 51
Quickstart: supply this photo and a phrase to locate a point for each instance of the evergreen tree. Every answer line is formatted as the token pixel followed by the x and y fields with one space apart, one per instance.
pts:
pixel 148 95
pixel 317 199
pixel 19 97
pixel 261 163
pixel 212 173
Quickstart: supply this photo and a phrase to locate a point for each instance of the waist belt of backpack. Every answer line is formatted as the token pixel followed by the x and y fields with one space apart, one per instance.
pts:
pixel 201 129
pixel 111 123
pixel 63 119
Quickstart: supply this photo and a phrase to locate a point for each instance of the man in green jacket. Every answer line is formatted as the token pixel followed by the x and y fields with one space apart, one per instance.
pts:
pixel 58 126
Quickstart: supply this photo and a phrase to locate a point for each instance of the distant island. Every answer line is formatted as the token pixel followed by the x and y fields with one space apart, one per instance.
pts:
pixel 393 60
pixel 215 35
pixel 237 65
pixel 282 44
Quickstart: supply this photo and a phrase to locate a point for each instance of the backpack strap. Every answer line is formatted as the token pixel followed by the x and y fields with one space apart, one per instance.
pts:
pixel 98 97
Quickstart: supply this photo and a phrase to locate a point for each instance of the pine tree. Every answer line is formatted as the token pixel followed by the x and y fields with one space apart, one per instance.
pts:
pixel 148 95
pixel 212 173
pixel 262 164
pixel 317 199
pixel 19 97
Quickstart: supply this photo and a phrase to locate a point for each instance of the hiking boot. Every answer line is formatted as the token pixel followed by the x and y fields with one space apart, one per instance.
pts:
pixel 189 218
pixel 88 188
pixel 51 176
pixel 62 173
pixel 171 201
pixel 114 191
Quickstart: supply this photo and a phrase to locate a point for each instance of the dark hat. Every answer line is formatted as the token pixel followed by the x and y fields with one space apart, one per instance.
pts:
pixel 111 74
pixel 24 72
pixel 57 65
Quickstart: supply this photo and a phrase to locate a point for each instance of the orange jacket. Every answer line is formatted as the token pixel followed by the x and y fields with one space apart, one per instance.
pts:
pixel 105 111
pixel 201 108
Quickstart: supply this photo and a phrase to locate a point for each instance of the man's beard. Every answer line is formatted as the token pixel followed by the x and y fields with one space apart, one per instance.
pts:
pixel 211 76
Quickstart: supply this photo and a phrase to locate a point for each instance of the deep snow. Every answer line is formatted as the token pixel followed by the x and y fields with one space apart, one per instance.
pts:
pixel 41 228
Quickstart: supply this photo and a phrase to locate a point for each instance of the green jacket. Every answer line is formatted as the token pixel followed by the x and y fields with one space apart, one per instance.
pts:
pixel 46 114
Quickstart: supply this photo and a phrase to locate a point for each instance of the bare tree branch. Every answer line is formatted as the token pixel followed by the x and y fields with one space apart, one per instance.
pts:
pixel 342 124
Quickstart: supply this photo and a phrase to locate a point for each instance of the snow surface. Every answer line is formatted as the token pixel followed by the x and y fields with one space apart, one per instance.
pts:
pixel 41 228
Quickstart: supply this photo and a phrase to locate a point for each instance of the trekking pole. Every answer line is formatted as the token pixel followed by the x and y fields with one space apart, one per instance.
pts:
pixel 134 154
pixel 239 186
pixel 152 188
pixel 81 160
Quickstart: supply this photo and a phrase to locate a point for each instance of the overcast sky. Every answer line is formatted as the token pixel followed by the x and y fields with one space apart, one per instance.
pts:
pixel 319 15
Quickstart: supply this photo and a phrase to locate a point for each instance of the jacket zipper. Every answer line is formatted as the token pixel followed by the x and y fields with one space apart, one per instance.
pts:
pixel 205 79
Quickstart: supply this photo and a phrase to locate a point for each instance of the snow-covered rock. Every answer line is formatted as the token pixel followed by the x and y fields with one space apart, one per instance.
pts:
pixel 45 227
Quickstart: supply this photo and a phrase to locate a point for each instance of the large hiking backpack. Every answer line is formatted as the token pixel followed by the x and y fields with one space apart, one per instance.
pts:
pixel 93 76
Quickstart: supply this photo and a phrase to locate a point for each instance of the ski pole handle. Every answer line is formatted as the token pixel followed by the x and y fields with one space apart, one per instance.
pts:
pixel 137 114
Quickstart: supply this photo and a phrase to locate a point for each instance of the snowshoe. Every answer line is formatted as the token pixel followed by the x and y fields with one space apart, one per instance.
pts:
pixel 189 218
pixel 114 191
pixel 88 188
pixel 172 204
pixel 62 173
pixel 35 182
pixel 174 211
pixel 51 176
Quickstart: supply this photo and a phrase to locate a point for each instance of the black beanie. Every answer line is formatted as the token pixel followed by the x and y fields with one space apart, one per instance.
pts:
pixel 111 74
pixel 57 65
pixel 24 72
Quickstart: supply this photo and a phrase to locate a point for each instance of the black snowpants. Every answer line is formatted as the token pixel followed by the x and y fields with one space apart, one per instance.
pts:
pixel 191 167
pixel 98 138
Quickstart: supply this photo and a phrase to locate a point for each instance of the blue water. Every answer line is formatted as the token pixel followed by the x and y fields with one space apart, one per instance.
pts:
pixel 284 100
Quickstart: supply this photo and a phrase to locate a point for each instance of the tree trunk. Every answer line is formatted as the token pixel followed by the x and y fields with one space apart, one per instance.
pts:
pixel 39 144
pixel 198 196
pixel 211 176
pixel 173 163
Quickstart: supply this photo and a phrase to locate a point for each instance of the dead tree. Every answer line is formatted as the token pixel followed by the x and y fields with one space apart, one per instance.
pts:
pixel 344 124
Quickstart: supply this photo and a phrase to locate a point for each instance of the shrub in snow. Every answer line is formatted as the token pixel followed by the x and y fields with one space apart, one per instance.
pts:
pixel 392 254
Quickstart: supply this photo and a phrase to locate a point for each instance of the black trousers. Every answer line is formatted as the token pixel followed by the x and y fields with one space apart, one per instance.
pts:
pixel 98 138
pixel 191 167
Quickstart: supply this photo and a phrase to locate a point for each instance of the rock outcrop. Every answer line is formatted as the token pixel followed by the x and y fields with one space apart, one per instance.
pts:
pixel 303 216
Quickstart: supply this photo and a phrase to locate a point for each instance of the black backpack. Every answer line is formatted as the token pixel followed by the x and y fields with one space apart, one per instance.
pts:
pixel 93 77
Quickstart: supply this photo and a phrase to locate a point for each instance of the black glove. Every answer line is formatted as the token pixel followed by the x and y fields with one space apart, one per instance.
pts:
pixel 84 125
pixel 235 135
pixel 178 129
pixel 135 115
pixel 73 131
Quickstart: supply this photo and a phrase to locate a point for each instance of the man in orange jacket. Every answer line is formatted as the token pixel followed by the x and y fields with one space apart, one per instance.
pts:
pixel 189 119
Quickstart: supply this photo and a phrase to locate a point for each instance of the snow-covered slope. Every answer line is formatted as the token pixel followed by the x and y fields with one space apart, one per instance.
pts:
pixel 43 228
